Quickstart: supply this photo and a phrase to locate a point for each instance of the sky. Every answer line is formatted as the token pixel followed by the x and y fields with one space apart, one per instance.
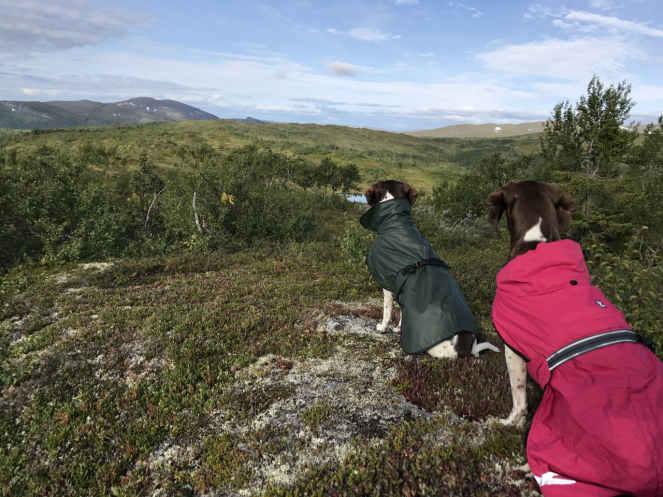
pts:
pixel 387 64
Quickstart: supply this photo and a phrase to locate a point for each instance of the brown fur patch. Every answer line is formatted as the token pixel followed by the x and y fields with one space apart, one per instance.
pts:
pixel 377 191
pixel 524 203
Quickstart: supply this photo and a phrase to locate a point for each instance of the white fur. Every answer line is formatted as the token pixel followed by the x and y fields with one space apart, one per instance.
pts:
pixel 551 478
pixel 387 196
pixel 386 310
pixel 515 364
pixel 517 369
pixel 443 350
pixel 534 234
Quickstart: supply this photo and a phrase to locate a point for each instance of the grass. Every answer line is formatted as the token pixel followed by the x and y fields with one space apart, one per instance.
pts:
pixel 411 461
pixel 317 414
pixel 119 381
pixel 422 162
pixel 198 324
pixel 204 374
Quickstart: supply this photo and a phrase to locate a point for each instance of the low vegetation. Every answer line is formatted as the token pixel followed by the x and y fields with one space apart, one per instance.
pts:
pixel 150 347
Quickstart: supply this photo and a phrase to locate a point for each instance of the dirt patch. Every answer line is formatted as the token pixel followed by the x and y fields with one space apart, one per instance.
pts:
pixel 370 310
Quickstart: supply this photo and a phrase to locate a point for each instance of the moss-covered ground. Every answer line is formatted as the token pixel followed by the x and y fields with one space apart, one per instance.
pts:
pixel 253 373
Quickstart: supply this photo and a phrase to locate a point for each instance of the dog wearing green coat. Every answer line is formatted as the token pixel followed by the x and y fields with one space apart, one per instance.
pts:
pixel 435 317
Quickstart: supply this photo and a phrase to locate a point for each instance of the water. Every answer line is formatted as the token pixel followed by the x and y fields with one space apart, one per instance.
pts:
pixel 355 198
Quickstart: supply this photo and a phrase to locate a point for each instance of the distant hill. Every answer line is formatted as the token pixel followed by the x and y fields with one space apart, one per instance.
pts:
pixel 65 114
pixel 421 162
pixel 481 130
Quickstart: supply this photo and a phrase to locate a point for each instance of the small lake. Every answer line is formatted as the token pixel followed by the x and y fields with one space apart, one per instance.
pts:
pixel 355 198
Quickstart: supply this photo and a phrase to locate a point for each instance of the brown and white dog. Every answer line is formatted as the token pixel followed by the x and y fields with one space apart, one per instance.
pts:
pixel 536 213
pixel 464 343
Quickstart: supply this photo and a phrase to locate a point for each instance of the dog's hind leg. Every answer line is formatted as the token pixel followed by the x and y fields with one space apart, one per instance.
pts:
pixel 464 342
pixel 518 379
pixel 443 350
pixel 400 320
pixel 386 310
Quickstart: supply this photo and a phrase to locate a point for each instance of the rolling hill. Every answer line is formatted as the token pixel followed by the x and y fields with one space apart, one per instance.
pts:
pixel 66 114
pixel 490 130
pixel 378 154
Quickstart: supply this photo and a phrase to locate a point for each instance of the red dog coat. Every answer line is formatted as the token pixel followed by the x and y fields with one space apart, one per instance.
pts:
pixel 599 428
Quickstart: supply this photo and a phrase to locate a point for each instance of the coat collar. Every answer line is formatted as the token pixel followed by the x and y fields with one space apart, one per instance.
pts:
pixel 381 214
pixel 548 267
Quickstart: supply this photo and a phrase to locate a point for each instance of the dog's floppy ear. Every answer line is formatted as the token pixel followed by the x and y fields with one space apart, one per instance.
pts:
pixel 496 206
pixel 375 193
pixel 564 206
pixel 411 194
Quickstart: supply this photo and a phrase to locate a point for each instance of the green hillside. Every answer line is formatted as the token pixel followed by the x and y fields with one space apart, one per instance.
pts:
pixel 489 130
pixel 378 154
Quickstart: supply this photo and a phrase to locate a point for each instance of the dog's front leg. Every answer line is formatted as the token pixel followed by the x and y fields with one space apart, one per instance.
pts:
pixel 386 311
pixel 400 320
pixel 518 379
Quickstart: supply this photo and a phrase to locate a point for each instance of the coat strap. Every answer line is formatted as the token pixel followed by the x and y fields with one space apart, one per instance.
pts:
pixel 590 343
pixel 412 268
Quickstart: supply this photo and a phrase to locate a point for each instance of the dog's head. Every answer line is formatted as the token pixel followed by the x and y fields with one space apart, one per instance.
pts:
pixel 385 190
pixel 535 212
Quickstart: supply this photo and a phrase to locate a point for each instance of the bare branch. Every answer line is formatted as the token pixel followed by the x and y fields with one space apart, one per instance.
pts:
pixel 149 210
pixel 195 213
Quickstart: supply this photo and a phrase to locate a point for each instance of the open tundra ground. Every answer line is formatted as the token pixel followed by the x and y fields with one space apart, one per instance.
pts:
pixel 174 146
pixel 245 374
pixel 183 315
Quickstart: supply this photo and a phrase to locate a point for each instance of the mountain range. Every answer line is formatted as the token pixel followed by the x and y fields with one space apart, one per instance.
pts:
pixel 65 114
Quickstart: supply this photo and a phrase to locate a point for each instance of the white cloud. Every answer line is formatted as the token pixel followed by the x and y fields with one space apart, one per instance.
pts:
pixel 406 2
pixel 370 34
pixel 575 26
pixel 613 23
pixel 537 11
pixel 37 25
pixel 578 58
pixel 30 92
pixel 243 83
pixel 476 13
pixel 365 34
pixel 603 4
pixel 584 21
pixel 341 68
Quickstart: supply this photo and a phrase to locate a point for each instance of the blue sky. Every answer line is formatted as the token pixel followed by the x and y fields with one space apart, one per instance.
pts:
pixel 390 64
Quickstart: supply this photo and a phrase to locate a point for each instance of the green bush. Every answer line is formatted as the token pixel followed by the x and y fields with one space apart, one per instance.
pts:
pixel 632 280
pixel 56 204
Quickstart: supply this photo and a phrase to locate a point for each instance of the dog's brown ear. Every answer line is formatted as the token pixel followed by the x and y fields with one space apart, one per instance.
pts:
pixel 375 193
pixel 370 196
pixel 564 206
pixel 411 195
pixel 496 206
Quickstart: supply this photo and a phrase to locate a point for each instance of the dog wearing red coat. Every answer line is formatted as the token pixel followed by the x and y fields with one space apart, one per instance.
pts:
pixel 598 430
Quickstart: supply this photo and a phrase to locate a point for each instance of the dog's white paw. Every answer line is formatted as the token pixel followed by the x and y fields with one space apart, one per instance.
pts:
pixel 397 329
pixel 516 419
pixel 382 327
